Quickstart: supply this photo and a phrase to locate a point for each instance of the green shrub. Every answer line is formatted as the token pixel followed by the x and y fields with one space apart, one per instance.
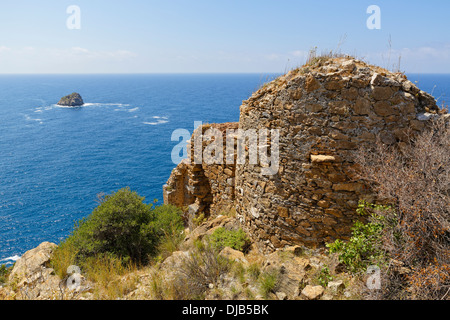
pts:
pixel 236 239
pixel 121 233
pixel 122 225
pixel 365 247
pixel 169 227
pixel 168 220
pixel 324 277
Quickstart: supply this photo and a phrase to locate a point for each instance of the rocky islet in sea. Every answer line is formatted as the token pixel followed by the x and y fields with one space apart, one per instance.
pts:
pixel 71 100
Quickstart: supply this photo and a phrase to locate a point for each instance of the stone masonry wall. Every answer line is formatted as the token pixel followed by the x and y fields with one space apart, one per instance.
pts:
pixel 203 187
pixel 324 113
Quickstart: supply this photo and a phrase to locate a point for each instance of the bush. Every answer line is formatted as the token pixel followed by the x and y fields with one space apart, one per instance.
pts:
pixel 121 233
pixel 169 228
pixel 122 225
pixel 4 273
pixel 235 239
pixel 365 245
pixel 203 267
pixel 415 180
pixel 324 277
pixel 168 219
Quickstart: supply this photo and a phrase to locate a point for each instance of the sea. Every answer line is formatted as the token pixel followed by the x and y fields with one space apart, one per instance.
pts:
pixel 54 160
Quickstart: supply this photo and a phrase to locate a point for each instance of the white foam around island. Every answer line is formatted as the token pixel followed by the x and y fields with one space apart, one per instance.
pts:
pixel 13 258
pixel 155 123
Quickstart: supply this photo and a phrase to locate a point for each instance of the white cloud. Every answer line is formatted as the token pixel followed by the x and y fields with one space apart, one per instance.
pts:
pixel 299 53
pixel 426 52
pixel 79 50
pixel 4 49
pixel 83 53
pixel 283 56
pixel 63 60
pixel 426 58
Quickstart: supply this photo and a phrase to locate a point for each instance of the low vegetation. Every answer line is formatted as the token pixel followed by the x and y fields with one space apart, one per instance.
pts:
pixel 4 273
pixel 203 267
pixel 268 283
pixel 408 235
pixel 235 239
pixel 120 235
pixel 365 247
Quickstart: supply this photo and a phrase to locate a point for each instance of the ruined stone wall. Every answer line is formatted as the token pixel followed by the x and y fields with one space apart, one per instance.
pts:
pixel 204 185
pixel 324 113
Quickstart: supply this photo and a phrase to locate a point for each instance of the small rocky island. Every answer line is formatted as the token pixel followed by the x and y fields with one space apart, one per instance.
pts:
pixel 72 100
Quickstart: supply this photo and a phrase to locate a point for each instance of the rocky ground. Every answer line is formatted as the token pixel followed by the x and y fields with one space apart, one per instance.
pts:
pixel 289 273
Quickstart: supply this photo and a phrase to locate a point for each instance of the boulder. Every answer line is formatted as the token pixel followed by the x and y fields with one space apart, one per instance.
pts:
pixel 33 277
pixel 207 228
pixel 233 255
pixel 312 292
pixel 281 295
pixel 32 262
pixel 336 286
pixel 291 271
pixel 175 260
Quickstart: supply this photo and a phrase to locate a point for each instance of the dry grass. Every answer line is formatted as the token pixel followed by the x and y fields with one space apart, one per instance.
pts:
pixel 111 278
pixel 203 267
pixel 416 181
pixel 63 257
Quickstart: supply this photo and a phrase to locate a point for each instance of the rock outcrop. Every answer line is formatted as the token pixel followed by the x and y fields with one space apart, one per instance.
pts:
pixel 32 263
pixel 71 100
pixel 33 278
pixel 295 268
pixel 323 112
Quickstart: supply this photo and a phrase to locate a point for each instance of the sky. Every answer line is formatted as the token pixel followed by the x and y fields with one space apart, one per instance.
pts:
pixel 218 36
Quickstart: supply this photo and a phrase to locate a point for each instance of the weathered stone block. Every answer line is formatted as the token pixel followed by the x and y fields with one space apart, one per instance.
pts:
pixel 283 212
pixel 362 106
pixel 382 93
pixel 384 108
pixel 322 158
pixel 311 84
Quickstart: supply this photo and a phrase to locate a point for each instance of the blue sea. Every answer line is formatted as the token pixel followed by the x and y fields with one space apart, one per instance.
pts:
pixel 54 160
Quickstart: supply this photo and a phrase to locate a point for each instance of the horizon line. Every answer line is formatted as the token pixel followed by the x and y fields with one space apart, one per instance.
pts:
pixel 186 73
pixel 138 73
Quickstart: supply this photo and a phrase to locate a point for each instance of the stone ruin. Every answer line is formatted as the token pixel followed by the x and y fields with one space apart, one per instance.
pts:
pixel 324 112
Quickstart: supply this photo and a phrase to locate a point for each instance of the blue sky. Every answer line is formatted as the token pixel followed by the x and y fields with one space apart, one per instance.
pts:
pixel 175 36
